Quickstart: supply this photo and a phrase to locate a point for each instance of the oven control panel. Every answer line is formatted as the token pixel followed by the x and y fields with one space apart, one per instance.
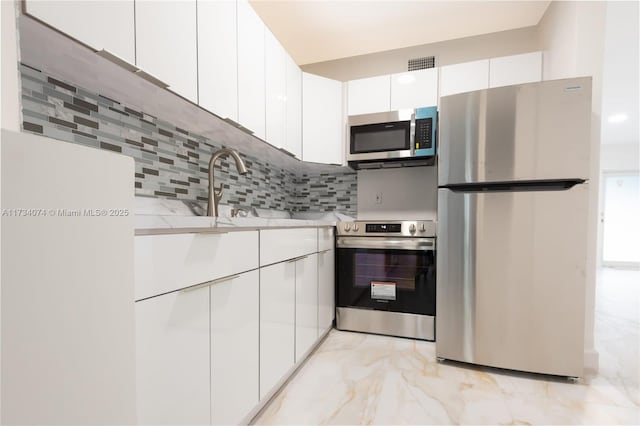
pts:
pixel 402 228
pixel 382 227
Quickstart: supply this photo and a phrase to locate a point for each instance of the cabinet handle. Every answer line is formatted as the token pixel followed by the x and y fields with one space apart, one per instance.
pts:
pixel 117 60
pixel 295 259
pixel 151 79
pixel 210 283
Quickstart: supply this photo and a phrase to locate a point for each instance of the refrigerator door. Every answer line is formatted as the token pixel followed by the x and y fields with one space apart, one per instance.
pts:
pixel 523 132
pixel 511 276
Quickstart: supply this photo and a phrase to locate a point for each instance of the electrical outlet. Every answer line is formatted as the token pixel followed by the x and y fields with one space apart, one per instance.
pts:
pixel 378 197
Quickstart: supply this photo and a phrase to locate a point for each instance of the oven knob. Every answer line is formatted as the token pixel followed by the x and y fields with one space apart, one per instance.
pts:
pixel 356 227
pixel 412 228
pixel 422 227
pixel 347 227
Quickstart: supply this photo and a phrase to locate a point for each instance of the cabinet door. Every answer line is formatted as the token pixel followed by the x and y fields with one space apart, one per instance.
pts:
pixel 306 304
pixel 166 43
pixel 326 290
pixel 275 81
pixel 515 69
pixel 277 328
pixel 464 77
pixel 251 82
pixel 172 344
pixel 218 57
pixel 414 89
pixel 234 348
pixel 322 120
pixel 102 24
pixel 293 120
pixel 369 95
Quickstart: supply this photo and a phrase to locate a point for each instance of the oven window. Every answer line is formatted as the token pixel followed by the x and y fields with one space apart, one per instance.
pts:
pixel 383 267
pixel 389 280
pixel 380 137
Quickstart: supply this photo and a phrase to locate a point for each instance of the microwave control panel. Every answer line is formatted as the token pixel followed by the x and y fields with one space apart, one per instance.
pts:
pixel 425 131
pixel 424 128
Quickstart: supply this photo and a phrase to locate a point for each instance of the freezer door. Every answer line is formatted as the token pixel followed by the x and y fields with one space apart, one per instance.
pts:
pixel 523 132
pixel 510 279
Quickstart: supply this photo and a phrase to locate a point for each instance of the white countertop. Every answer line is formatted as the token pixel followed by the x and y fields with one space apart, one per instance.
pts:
pixel 156 216
pixel 161 224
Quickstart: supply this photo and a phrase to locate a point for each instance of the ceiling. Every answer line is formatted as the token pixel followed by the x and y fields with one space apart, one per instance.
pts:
pixel 322 30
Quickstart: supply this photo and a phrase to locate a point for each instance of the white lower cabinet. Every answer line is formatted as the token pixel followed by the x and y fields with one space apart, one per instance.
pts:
pixel 326 290
pixel 211 353
pixel 306 304
pixel 172 354
pixel 234 348
pixel 277 328
pixel 197 353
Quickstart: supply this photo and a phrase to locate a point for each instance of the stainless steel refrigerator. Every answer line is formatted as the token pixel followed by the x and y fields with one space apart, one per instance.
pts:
pixel 512 226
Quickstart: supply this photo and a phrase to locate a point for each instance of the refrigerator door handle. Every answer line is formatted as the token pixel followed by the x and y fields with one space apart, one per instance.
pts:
pixel 515 186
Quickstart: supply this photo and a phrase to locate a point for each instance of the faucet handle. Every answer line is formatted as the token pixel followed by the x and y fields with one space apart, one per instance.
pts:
pixel 218 191
pixel 238 212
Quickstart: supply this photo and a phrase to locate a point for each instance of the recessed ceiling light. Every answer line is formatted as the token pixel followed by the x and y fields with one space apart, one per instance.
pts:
pixel 617 118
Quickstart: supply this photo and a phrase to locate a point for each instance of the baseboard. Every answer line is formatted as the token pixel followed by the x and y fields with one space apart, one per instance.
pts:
pixel 273 393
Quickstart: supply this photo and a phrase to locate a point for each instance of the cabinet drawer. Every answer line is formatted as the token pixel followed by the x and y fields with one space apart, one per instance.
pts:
pixel 277 245
pixel 165 263
pixel 325 239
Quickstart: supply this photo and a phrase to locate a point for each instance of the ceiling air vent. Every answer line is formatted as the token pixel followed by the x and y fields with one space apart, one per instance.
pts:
pixel 422 63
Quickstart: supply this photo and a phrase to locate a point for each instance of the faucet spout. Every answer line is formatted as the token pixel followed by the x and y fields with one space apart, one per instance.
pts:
pixel 215 194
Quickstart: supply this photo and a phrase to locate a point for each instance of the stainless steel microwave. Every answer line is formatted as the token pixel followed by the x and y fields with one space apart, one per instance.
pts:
pixel 403 135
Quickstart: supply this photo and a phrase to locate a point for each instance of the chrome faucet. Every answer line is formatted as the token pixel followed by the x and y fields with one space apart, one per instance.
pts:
pixel 216 193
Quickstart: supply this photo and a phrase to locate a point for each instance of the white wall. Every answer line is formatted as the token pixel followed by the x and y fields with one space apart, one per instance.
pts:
pixel 620 157
pixel 621 87
pixel 10 79
pixel 68 353
pixel 502 43
pixel 572 39
pixel 409 193
pixel 9 92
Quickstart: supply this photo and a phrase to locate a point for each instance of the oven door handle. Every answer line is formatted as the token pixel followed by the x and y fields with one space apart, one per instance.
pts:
pixel 424 244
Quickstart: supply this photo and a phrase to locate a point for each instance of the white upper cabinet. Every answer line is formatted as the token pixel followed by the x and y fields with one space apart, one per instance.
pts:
pixel 293 120
pixel 322 120
pixel 515 69
pixel 103 24
pixel 464 77
pixel 275 80
pixel 251 70
pixel 414 89
pixel 166 44
pixel 368 95
pixel 218 57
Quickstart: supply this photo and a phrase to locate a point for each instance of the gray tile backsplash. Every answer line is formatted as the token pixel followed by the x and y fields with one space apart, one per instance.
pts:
pixel 172 162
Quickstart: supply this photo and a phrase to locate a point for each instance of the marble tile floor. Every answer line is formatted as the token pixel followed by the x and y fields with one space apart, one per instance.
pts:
pixel 355 379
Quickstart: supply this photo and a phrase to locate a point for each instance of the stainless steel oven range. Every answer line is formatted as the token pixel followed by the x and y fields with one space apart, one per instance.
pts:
pixel 386 278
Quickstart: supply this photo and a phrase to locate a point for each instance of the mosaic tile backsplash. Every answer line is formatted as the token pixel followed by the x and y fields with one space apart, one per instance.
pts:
pixel 172 162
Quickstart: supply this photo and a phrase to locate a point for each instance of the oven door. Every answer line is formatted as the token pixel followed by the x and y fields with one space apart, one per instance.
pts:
pixel 387 274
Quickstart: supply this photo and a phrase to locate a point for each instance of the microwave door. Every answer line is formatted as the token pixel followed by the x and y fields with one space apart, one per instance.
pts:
pixel 381 140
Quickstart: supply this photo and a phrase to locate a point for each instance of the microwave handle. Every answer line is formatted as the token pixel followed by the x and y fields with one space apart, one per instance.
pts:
pixel 412 134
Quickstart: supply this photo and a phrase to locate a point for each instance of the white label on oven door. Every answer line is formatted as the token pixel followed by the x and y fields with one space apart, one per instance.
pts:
pixel 383 290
